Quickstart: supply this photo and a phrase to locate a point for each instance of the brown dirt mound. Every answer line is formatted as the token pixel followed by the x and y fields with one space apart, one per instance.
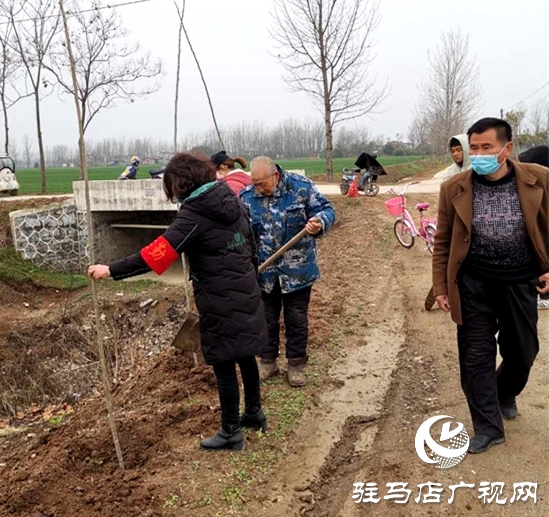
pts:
pixel 159 416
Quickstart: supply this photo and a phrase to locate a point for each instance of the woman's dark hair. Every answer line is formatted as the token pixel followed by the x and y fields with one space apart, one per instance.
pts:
pixel 222 158
pixel 503 129
pixel 185 173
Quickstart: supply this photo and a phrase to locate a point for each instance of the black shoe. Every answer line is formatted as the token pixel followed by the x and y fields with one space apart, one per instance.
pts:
pixel 255 420
pixel 481 442
pixel 509 411
pixel 230 439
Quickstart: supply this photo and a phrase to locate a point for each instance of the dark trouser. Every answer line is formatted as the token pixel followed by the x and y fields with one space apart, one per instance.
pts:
pixel 364 179
pixel 229 395
pixel 296 305
pixel 488 307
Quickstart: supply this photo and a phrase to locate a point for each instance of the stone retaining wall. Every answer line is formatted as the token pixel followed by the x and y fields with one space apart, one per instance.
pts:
pixel 52 238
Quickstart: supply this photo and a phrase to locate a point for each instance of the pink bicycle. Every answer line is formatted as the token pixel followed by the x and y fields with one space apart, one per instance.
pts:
pixel 405 228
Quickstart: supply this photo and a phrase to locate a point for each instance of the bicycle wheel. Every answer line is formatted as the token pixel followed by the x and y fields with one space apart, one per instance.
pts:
pixel 430 230
pixel 404 233
pixel 371 189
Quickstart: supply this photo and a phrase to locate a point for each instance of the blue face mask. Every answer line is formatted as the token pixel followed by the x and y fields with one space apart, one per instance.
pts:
pixel 485 164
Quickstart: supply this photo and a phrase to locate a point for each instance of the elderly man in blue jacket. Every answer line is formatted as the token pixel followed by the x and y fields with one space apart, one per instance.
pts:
pixel 280 204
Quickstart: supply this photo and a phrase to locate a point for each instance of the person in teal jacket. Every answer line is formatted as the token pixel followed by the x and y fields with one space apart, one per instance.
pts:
pixel 280 204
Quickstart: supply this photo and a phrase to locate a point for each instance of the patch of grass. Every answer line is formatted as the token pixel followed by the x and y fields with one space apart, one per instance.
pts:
pixel 386 239
pixel 59 179
pixel 15 270
pixel 286 406
pixel 352 201
pixel 55 420
pixel 190 402
pixel 231 495
pixel 171 502
pixel 399 172
pixel 317 166
pixel 243 475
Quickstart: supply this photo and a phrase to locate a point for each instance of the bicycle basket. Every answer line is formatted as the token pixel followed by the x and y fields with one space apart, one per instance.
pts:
pixel 395 204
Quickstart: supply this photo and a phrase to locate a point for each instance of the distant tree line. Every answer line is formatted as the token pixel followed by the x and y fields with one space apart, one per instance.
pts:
pixel 289 139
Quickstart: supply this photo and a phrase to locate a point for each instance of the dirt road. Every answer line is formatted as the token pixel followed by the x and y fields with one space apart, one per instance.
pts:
pixel 398 368
pixel 380 366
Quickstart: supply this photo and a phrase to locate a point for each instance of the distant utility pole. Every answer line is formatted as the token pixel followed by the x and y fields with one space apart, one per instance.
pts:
pixel 501 113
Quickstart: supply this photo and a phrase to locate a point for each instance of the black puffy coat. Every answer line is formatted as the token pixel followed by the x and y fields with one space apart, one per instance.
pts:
pixel 213 229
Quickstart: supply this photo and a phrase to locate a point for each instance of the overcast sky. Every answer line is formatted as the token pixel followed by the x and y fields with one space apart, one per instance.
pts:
pixel 509 40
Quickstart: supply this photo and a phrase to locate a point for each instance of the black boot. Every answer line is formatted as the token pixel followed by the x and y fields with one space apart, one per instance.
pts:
pixel 254 419
pixel 229 438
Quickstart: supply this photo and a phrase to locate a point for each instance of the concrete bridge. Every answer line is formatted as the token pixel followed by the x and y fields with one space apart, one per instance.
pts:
pixel 126 215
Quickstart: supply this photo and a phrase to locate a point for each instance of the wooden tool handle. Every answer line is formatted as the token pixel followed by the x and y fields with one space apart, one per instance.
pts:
pixel 282 250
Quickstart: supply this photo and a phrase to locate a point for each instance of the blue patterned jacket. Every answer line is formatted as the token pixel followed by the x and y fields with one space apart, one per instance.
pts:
pixel 276 219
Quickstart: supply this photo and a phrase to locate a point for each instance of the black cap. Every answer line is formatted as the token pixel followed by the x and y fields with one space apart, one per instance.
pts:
pixel 218 158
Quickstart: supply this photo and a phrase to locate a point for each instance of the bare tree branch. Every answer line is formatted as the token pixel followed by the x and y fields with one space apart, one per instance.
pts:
pixel 325 48
pixel 452 94
pixel 107 67
pixel 9 71
pixel 35 23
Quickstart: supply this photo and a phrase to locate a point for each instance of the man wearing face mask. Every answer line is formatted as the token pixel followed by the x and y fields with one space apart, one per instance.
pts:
pixel 489 263
pixel 280 204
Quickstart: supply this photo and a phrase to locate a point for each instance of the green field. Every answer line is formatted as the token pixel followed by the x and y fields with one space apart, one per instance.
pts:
pixel 318 167
pixel 59 180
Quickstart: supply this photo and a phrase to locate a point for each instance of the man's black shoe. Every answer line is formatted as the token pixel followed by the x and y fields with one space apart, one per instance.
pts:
pixel 509 411
pixel 481 442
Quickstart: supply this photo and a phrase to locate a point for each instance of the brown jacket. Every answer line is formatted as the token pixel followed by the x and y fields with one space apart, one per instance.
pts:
pixel 455 214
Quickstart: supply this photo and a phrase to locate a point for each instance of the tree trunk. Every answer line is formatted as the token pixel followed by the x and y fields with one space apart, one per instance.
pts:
pixel 6 128
pixel 327 103
pixel 40 145
pixel 329 146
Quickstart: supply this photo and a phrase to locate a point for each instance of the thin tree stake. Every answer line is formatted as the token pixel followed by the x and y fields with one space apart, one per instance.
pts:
pixel 98 328
pixel 177 77
pixel 201 75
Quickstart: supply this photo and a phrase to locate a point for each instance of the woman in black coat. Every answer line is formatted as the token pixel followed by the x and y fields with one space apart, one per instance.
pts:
pixel 213 230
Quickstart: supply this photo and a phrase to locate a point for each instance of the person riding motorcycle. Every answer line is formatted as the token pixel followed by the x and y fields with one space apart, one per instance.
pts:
pixel 130 173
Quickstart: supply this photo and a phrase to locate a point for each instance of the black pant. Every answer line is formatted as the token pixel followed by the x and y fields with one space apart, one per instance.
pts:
pixel 296 306
pixel 489 307
pixel 229 394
